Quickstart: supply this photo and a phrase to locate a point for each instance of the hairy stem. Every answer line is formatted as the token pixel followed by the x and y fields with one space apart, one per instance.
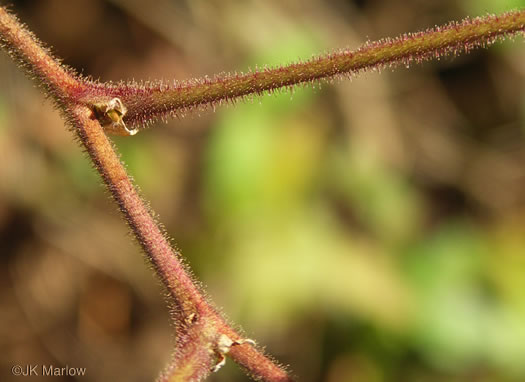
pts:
pixel 25 48
pixel 203 336
pixel 92 109
pixel 198 323
pixel 148 102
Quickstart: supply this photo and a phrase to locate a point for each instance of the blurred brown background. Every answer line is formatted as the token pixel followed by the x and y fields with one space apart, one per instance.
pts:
pixel 366 230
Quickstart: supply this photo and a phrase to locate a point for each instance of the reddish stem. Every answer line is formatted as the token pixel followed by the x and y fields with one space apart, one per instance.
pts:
pixel 24 47
pixel 200 328
pixel 203 336
pixel 148 102
pixel 197 321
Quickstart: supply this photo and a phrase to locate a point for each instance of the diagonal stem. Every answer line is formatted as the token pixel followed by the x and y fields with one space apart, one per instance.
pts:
pixel 197 321
pixel 38 62
pixel 203 336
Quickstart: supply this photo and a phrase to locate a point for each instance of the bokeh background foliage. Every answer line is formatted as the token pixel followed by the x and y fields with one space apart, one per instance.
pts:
pixel 370 230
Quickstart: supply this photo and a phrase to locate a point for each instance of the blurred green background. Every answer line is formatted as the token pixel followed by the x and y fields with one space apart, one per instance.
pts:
pixel 365 230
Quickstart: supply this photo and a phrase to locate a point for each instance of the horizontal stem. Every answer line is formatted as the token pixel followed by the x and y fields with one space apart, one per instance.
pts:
pixel 158 100
pixel 201 330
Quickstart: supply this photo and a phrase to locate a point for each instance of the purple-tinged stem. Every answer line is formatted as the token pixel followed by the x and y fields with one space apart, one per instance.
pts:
pixel 199 326
pixel 148 102
pixel 203 336
pixel 25 48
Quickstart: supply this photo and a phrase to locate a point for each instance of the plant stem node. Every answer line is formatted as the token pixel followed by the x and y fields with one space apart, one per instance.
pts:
pixel 111 116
